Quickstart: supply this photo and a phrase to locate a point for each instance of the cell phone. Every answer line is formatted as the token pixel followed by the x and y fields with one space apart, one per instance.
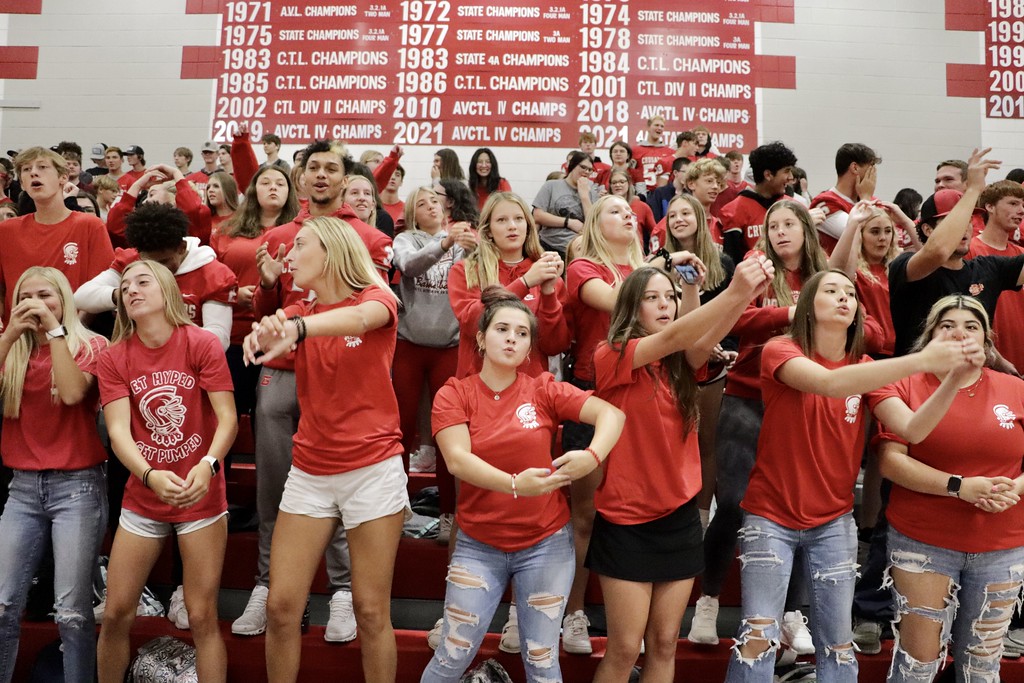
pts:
pixel 689 274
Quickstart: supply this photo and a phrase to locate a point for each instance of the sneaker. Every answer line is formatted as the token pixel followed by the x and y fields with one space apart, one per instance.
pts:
pixel 434 634
pixel 424 460
pixel 704 629
pixel 254 619
pixel 1013 644
pixel 444 527
pixel 795 634
pixel 804 672
pixel 867 636
pixel 575 637
pixel 176 611
pixel 341 626
pixel 510 634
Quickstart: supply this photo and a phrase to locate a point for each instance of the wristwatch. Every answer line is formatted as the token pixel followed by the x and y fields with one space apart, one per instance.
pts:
pixel 953 485
pixel 213 462
pixel 57 333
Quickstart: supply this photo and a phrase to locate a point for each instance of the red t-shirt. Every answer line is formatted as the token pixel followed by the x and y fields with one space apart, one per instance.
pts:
pixel 285 293
pixel 805 471
pixel 980 435
pixel 239 254
pixel 511 434
pixel 553 336
pixel 653 468
pixel 1008 326
pixel 397 213
pixel 482 194
pixel 590 324
pixel 874 297
pixel 762 320
pixel 129 178
pixel 78 246
pixel 349 414
pixel 31 442
pixel 172 420
pixel 211 282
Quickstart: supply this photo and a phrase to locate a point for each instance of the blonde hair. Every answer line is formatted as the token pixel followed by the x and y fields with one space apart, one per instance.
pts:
pixel 372 219
pixel 593 246
pixel 704 246
pixel 33 153
pixel 703 167
pixel 482 263
pixel 960 302
pixel 174 306
pixel 862 265
pixel 410 206
pixel 105 182
pixel 348 263
pixel 812 257
pixel 12 378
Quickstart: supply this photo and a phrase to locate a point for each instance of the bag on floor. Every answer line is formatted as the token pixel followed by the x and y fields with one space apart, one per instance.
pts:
pixel 488 671
pixel 164 660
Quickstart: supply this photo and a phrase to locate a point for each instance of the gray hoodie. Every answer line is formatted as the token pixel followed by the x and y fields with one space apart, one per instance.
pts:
pixel 426 317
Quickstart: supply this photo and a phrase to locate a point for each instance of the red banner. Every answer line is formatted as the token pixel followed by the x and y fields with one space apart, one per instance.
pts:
pixel 1000 80
pixel 516 73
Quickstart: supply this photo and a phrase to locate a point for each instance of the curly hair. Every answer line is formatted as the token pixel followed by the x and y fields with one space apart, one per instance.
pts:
pixel 772 157
pixel 155 227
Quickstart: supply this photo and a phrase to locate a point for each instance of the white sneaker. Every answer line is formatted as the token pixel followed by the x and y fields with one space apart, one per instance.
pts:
pixel 575 636
pixel 510 633
pixel 176 611
pixel 254 618
pixel 444 527
pixel 434 634
pixel 341 626
pixel 424 460
pixel 795 634
pixel 704 628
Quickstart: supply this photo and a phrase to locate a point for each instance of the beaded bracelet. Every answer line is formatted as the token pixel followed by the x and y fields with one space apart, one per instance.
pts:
pixel 515 493
pixel 590 450
pixel 145 477
pixel 300 327
pixel 663 253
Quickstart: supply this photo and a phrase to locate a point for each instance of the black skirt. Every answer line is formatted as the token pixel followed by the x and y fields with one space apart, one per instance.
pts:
pixel 670 548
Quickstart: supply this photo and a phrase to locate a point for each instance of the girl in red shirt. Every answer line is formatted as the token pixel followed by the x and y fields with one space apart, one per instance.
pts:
pixel 58 490
pixel 605 253
pixel 646 543
pixel 800 496
pixel 621 156
pixel 346 461
pixel 494 430
pixel 484 177
pixel 956 536
pixel 166 395
pixel 221 200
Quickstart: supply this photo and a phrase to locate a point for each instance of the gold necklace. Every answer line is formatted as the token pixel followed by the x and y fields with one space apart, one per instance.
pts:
pixel 971 390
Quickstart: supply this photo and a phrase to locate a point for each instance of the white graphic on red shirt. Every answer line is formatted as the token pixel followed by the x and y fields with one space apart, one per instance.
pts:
pixel 71 253
pixel 352 342
pixel 389 255
pixel 852 408
pixel 164 413
pixel 1005 416
pixel 527 414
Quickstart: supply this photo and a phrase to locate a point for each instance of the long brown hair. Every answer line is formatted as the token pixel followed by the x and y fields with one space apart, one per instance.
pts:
pixel 247 221
pixel 812 258
pixel 625 325
pixel 804 320
pixel 705 248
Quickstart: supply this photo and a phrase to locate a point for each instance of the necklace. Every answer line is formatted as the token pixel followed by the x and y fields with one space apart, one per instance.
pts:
pixel 513 263
pixel 971 390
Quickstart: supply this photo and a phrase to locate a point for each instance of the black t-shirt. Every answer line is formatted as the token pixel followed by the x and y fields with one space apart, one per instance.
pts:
pixel 984 277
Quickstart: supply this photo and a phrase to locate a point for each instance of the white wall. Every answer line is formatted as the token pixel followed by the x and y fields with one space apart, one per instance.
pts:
pixel 870 71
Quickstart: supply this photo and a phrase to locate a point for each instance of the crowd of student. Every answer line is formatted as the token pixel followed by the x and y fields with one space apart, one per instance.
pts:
pixel 713 339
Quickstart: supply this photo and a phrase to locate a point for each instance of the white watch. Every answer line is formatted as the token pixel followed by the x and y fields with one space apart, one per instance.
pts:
pixel 57 333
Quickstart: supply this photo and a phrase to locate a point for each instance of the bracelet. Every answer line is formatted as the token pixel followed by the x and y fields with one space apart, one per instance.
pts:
pixel 515 493
pixel 590 450
pixel 566 224
pixel 145 477
pixel 663 253
pixel 300 327
pixel 525 283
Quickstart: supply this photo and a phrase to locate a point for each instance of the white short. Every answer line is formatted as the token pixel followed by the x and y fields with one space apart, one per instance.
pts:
pixel 361 495
pixel 151 528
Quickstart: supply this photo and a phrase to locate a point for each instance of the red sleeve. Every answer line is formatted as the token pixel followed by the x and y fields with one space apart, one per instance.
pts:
pixel 188 200
pixel 113 384
pixel 644 217
pixel 894 390
pixel 503 185
pixel 874 335
pixel 449 407
pixel 116 216
pixel 564 400
pixel 613 367
pixel 101 253
pixel 121 258
pixel 727 214
pixel 212 363
pixel 603 177
pixel 761 319
pixel 385 169
pixel 552 329
pixel 243 160
pixel 776 353
pixel 222 284
pixel 581 271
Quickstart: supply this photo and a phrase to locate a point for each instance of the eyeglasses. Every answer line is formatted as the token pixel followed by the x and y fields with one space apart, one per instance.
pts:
pixel 586 169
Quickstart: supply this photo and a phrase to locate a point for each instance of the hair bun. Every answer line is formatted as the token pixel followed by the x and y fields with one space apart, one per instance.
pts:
pixel 494 294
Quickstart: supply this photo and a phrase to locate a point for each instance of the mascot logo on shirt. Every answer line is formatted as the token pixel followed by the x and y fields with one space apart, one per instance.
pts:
pixel 852 408
pixel 164 414
pixel 71 253
pixel 1005 416
pixel 352 342
pixel 527 414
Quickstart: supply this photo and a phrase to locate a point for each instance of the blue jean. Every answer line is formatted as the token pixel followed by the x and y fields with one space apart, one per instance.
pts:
pixel 541 577
pixel 830 551
pixel 970 618
pixel 71 508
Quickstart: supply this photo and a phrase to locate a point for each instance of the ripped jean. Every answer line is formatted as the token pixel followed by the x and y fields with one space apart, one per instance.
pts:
pixel 541 576
pixel 69 507
pixel 983 590
pixel 766 559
